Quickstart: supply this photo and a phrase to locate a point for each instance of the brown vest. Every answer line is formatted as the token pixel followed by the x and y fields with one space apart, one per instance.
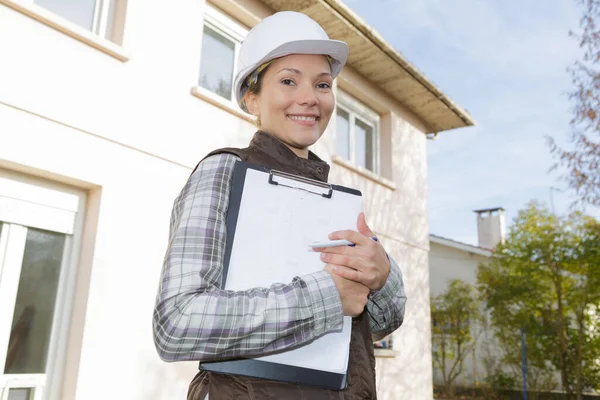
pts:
pixel 268 151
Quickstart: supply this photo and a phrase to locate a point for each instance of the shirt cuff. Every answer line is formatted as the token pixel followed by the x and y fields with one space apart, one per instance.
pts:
pixel 328 313
pixel 392 286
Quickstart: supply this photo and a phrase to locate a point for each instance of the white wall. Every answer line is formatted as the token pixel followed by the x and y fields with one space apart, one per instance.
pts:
pixel 129 133
pixel 445 264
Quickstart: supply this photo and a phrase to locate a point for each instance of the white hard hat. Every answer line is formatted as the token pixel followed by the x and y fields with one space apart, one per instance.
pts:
pixel 282 34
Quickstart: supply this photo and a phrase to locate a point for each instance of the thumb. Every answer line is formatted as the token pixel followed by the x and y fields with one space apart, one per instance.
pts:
pixel 362 226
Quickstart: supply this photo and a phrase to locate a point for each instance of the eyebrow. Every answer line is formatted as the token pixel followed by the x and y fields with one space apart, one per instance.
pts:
pixel 298 72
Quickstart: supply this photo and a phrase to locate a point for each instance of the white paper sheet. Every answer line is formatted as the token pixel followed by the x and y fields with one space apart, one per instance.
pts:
pixel 274 228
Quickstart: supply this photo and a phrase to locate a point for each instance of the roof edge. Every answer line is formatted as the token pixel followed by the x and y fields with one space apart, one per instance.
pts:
pixel 385 47
pixel 461 246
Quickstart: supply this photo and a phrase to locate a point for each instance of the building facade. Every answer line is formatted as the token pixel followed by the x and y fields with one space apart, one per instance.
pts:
pixel 105 108
pixel 450 260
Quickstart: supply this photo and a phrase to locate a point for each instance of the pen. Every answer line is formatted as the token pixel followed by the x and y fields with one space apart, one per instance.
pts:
pixel 335 243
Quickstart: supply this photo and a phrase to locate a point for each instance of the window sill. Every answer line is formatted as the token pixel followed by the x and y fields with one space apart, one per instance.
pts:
pixel 220 102
pixel 384 353
pixel 364 172
pixel 67 27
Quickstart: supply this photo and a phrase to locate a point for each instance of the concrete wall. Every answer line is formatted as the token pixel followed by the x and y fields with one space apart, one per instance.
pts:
pixel 129 133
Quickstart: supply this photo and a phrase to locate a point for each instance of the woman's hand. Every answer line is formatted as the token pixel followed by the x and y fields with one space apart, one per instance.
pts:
pixel 354 295
pixel 365 263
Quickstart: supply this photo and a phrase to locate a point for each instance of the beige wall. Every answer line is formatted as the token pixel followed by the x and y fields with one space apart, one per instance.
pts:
pixel 447 263
pixel 129 133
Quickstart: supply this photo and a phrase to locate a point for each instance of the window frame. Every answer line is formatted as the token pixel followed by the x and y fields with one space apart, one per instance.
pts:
pixel 231 30
pixel 358 110
pixel 21 190
pixel 101 26
pixel 385 351
pixel 114 28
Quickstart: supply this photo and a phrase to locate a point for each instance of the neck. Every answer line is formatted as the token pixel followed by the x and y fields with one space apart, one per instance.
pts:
pixel 301 152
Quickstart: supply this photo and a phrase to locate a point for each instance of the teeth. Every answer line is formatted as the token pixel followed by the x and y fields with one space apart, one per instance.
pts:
pixel 300 118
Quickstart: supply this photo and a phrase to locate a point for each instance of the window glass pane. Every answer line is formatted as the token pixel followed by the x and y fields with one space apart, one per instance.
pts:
pixel 34 307
pixel 363 136
pixel 80 12
pixel 20 394
pixel 216 65
pixel 342 134
pixel 385 343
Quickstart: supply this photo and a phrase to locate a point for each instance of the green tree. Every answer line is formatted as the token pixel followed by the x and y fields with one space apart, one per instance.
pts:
pixel 582 161
pixel 545 278
pixel 584 298
pixel 456 322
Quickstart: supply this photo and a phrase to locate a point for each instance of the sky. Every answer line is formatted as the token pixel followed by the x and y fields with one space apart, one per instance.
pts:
pixel 505 62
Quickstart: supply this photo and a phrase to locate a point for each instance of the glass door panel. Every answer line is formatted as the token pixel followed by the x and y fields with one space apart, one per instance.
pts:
pixel 36 277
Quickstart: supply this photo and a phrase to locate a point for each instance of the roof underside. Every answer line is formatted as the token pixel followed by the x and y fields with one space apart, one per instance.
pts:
pixel 376 60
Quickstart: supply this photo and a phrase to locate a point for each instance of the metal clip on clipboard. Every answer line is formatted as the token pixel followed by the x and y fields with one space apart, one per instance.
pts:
pixel 301 179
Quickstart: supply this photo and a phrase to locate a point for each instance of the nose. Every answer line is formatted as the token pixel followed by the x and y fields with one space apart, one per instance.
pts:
pixel 307 96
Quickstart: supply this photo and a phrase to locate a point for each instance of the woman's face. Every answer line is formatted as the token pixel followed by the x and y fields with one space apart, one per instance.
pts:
pixel 295 101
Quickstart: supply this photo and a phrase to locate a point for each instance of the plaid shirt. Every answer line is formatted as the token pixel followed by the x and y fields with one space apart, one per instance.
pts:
pixel 196 320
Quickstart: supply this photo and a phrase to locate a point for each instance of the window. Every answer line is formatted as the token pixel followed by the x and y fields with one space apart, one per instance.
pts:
pixel 384 347
pixel 37 227
pixel 216 73
pixel 385 343
pixel 96 16
pixel 357 133
pixel 220 46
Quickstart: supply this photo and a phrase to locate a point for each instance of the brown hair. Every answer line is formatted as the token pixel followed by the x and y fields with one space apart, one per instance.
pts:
pixel 253 85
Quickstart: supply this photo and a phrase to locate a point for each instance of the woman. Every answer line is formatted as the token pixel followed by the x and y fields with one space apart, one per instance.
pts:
pixel 285 75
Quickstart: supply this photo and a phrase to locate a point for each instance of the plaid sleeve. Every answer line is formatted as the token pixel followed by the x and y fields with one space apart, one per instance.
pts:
pixel 386 306
pixel 196 320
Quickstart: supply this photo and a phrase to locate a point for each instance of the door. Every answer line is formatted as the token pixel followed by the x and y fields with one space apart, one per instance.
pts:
pixel 37 226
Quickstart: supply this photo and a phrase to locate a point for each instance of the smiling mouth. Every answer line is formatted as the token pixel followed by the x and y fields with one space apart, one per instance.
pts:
pixel 303 118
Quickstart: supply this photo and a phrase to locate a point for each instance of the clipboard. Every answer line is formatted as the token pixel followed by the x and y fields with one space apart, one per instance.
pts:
pixel 288 204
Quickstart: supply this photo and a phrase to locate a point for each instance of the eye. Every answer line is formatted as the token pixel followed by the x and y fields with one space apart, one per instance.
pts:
pixel 288 82
pixel 324 85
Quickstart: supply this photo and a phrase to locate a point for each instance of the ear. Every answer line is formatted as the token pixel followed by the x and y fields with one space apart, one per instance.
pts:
pixel 252 104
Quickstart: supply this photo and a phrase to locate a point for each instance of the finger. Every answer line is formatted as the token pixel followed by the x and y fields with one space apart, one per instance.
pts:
pixel 349 273
pixel 351 236
pixel 340 259
pixel 328 268
pixel 341 250
pixel 362 226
